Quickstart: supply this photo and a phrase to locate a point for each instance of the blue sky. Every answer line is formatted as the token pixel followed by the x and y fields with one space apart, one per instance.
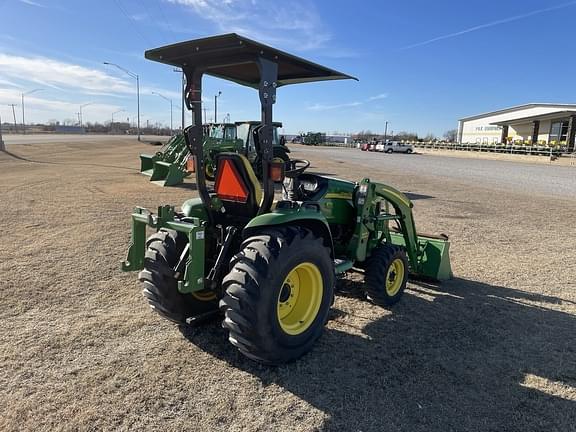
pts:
pixel 421 64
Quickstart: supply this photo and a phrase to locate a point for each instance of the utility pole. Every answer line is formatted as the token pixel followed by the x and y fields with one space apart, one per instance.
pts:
pixel 81 119
pixel 112 123
pixel 2 146
pixel 23 120
pixel 216 107
pixel 135 76
pixel 205 117
pixel 386 133
pixel 14 115
pixel 169 100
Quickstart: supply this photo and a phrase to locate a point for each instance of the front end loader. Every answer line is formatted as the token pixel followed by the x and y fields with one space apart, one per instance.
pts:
pixel 168 166
pixel 270 267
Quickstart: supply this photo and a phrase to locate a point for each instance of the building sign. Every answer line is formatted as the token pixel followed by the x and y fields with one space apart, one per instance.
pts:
pixel 488 128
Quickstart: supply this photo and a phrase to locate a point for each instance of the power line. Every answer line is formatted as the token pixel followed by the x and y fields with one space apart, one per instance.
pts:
pixel 160 7
pixel 136 29
pixel 150 15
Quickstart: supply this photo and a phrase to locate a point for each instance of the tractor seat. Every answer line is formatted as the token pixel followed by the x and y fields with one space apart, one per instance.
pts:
pixel 237 186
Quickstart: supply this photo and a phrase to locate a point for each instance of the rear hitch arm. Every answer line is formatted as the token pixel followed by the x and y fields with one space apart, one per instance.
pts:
pixel 215 272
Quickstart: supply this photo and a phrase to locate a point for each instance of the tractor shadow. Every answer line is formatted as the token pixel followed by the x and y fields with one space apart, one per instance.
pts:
pixel 463 356
pixel 414 196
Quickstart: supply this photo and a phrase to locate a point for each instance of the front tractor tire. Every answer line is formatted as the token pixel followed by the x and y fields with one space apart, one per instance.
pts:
pixel 386 275
pixel 278 294
pixel 161 287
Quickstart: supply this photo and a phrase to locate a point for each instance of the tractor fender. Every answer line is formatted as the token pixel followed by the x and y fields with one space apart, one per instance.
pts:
pixel 312 219
pixel 194 208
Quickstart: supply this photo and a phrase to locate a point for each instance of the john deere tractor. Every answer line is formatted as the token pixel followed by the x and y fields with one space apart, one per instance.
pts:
pixel 169 166
pixel 269 267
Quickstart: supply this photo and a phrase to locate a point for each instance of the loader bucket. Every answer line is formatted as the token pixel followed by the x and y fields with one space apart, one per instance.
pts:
pixel 434 257
pixel 146 164
pixel 167 174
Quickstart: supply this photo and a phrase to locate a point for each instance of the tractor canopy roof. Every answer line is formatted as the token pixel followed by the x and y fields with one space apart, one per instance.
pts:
pixel 257 122
pixel 232 57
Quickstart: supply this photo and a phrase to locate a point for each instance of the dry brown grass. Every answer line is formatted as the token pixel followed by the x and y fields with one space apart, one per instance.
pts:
pixel 494 349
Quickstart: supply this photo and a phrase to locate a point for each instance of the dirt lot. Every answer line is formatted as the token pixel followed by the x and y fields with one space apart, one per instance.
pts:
pixel 492 350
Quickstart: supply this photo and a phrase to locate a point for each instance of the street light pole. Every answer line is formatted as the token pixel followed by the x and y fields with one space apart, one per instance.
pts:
pixel 23 120
pixel 112 123
pixel 169 100
pixel 82 106
pixel 216 107
pixel 137 78
pixel 385 133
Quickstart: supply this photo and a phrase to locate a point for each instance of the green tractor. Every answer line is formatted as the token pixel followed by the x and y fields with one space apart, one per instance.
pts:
pixel 240 137
pixel 270 267
pixel 169 166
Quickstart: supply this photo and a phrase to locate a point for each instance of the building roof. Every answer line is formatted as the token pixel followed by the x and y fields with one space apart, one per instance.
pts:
pixel 548 116
pixel 232 57
pixel 519 108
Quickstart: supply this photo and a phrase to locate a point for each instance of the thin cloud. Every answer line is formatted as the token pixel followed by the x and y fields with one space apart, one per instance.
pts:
pixel 38 103
pixel 32 3
pixel 139 17
pixel 490 24
pixel 57 74
pixel 321 107
pixel 293 24
pixel 378 96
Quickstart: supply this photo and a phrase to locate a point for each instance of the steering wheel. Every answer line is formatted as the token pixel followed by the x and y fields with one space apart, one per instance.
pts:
pixel 297 167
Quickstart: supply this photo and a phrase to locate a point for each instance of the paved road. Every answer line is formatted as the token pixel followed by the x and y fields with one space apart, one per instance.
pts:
pixel 70 138
pixel 559 181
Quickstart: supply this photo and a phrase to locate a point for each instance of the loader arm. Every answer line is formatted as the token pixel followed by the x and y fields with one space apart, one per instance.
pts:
pixel 369 222
pixel 428 255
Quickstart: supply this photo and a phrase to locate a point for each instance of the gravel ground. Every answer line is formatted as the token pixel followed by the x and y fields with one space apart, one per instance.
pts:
pixel 491 350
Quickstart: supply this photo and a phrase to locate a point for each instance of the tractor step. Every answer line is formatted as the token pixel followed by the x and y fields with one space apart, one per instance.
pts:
pixel 342 265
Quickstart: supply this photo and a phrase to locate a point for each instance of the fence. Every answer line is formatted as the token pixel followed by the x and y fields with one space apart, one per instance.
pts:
pixel 524 149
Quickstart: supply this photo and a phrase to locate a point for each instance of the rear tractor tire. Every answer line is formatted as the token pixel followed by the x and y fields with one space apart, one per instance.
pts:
pixel 386 275
pixel 161 287
pixel 278 294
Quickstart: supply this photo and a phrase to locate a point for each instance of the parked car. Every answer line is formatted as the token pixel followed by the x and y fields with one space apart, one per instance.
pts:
pixel 398 147
pixel 364 146
pixel 379 147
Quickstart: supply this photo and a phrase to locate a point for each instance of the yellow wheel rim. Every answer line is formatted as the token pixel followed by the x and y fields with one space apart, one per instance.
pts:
pixel 395 277
pixel 205 295
pixel 300 298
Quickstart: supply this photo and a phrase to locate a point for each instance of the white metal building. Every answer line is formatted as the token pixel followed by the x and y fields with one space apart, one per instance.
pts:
pixel 535 123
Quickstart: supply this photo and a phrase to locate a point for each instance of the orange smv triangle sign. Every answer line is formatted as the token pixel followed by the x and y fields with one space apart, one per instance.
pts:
pixel 229 185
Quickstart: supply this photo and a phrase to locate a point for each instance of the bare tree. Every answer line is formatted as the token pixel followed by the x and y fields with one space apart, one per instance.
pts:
pixel 406 136
pixel 451 135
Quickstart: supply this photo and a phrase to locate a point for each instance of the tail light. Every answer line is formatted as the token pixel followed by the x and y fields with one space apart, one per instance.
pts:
pixel 276 171
pixel 191 164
